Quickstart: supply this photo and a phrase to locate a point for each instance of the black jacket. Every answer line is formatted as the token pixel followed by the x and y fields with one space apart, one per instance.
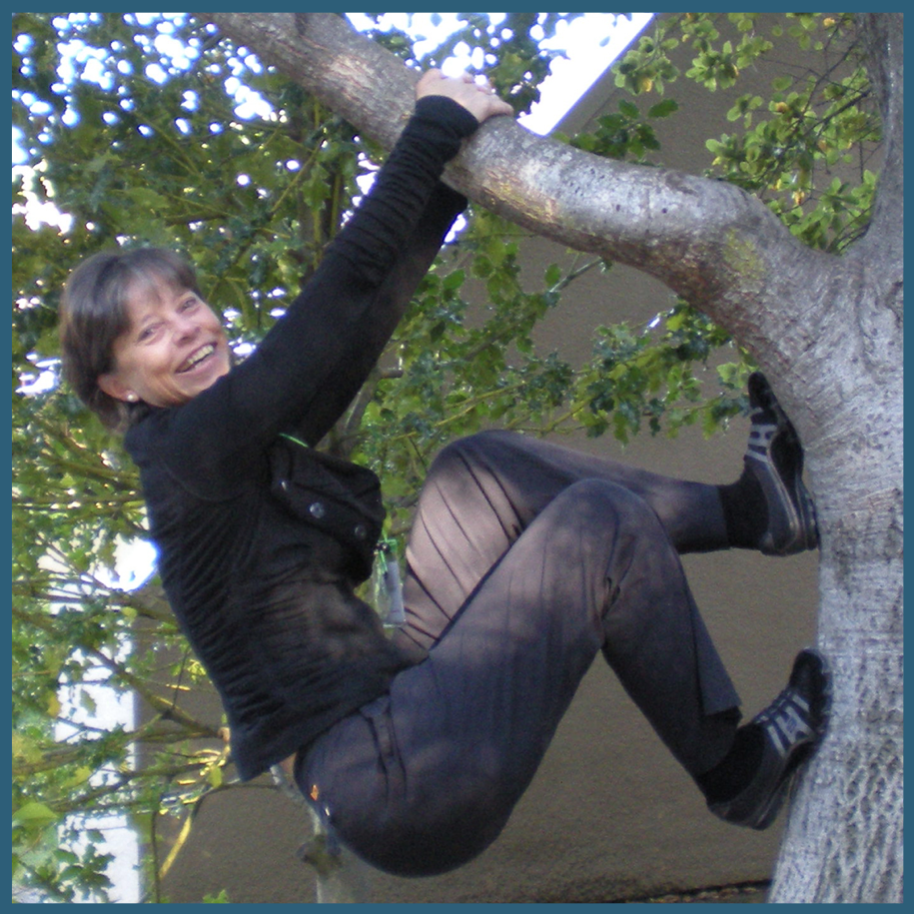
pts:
pixel 260 539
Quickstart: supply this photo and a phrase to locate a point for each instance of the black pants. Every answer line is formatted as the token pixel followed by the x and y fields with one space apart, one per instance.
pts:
pixel 524 562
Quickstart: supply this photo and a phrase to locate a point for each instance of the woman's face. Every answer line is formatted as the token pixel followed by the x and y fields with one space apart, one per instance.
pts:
pixel 174 348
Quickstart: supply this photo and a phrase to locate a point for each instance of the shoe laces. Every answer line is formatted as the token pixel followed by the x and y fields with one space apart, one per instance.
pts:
pixel 787 721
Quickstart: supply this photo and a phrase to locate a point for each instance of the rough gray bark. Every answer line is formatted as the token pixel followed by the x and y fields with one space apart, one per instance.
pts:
pixel 844 840
pixel 828 332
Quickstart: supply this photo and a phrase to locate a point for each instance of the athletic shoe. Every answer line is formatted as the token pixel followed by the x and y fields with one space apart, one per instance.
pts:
pixel 793 726
pixel 775 457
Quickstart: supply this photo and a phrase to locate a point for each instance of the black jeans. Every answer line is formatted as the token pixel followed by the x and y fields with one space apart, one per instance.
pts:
pixel 524 562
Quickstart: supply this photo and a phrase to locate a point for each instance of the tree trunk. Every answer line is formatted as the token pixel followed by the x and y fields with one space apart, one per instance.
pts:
pixel 845 833
pixel 828 332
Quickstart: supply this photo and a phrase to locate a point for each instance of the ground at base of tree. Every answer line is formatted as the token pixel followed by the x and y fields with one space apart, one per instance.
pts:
pixel 745 893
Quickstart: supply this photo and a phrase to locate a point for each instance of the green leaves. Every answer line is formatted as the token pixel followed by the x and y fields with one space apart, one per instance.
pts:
pixel 785 148
pixel 147 162
pixel 34 815
pixel 625 135
pixel 648 376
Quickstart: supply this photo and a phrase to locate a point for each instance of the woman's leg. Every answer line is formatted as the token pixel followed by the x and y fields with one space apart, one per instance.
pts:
pixel 483 492
pixel 525 561
pixel 424 779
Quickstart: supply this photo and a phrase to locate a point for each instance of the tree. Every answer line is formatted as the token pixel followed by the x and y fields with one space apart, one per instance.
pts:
pixel 814 299
pixel 838 370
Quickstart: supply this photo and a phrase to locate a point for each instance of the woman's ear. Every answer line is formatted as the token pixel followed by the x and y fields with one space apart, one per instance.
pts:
pixel 112 385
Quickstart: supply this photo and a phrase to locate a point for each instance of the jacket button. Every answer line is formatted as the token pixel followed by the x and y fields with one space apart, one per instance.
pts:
pixel 316 510
pixel 360 531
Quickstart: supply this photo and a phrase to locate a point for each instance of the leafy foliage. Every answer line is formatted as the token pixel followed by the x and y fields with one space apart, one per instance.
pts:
pixel 795 147
pixel 144 129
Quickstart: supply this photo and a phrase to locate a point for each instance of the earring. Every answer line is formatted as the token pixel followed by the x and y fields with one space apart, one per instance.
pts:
pixel 132 398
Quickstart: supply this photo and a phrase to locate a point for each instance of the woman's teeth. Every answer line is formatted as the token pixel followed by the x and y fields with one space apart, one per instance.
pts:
pixel 197 357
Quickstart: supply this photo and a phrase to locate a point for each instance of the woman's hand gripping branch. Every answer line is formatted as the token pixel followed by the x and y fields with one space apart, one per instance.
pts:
pixel 478 98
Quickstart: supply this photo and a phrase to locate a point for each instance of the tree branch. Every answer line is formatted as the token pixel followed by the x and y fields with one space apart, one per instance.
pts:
pixel 710 242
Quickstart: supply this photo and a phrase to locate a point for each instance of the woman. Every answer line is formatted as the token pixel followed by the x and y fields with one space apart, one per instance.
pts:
pixel 525 559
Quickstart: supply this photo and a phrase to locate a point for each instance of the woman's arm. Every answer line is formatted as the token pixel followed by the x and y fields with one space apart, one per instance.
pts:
pixel 313 361
pixel 402 269
pixel 387 306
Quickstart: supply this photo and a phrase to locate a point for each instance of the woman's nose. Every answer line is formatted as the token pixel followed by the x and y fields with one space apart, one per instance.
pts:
pixel 185 327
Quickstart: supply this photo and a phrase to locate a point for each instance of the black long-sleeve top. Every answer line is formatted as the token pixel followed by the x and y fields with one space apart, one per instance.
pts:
pixel 265 594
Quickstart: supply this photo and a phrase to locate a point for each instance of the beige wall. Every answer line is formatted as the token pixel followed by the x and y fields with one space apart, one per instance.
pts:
pixel 610 814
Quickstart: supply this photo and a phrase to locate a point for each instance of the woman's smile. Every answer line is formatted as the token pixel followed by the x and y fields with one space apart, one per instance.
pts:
pixel 197 358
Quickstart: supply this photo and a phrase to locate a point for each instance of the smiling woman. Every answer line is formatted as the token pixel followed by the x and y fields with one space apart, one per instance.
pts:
pixel 137 333
pixel 525 560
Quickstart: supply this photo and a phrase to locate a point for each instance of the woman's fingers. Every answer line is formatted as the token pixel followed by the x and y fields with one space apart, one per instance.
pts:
pixel 478 97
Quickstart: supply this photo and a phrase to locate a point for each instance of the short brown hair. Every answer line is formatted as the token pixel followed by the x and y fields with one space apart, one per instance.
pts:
pixel 94 314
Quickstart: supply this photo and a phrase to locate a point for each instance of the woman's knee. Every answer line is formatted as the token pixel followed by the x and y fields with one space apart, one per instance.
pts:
pixel 608 500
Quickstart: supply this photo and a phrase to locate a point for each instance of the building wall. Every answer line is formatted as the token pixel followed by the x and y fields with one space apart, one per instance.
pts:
pixel 610 814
